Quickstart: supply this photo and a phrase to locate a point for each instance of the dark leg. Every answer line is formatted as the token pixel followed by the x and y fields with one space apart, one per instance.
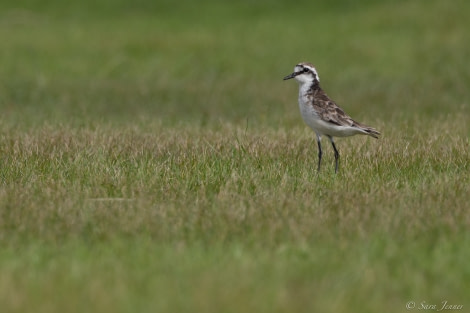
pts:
pixel 319 151
pixel 336 154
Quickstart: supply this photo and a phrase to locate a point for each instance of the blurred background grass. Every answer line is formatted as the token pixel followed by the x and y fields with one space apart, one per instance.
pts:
pixel 217 61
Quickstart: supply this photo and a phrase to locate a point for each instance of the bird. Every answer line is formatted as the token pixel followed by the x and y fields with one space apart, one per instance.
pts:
pixel 322 114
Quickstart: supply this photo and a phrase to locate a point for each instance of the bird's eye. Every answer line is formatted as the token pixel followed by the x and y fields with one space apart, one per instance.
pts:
pixel 305 70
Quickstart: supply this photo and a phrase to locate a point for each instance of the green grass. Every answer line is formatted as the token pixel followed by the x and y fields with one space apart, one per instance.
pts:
pixel 153 160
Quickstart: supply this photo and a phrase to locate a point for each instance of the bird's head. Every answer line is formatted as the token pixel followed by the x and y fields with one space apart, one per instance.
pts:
pixel 304 73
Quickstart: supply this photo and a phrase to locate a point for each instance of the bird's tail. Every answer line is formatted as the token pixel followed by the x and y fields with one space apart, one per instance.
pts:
pixel 366 130
pixel 371 131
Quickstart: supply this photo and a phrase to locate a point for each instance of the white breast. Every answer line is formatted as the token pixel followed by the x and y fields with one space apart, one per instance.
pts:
pixel 309 115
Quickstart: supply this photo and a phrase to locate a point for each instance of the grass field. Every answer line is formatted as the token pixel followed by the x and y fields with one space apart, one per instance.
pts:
pixel 153 160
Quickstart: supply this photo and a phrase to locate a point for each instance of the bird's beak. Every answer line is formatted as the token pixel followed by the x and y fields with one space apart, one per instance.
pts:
pixel 290 76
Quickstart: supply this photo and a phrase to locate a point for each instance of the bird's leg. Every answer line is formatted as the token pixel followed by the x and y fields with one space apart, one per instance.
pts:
pixel 336 154
pixel 319 151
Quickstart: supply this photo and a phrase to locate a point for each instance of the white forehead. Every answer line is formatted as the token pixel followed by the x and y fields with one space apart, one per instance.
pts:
pixel 300 67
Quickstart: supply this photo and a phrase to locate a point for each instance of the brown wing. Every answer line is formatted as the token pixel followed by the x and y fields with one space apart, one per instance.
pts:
pixel 329 111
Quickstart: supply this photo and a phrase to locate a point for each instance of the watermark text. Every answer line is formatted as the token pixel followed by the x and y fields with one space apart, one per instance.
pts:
pixel 425 306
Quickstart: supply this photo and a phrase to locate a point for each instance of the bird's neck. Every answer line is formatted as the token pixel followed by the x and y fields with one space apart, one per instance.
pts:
pixel 309 87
